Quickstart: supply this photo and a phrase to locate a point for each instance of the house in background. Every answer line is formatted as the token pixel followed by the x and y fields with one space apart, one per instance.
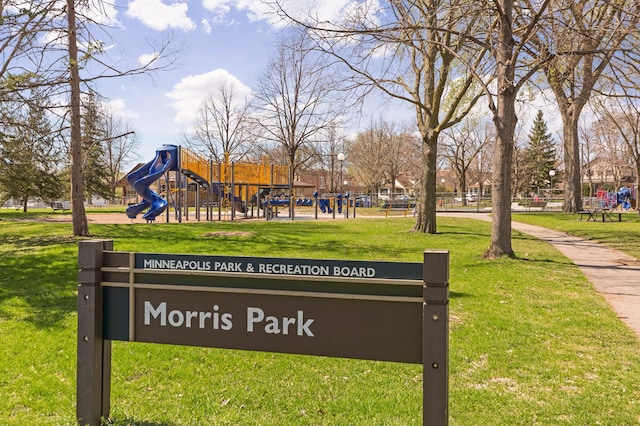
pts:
pixel 125 192
pixel 309 181
pixel 404 186
pixel 602 174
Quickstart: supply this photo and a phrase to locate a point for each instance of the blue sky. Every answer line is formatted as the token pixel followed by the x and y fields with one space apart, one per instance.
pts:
pixel 220 41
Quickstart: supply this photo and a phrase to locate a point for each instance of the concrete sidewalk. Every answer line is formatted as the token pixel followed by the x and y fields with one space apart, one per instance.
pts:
pixel 614 274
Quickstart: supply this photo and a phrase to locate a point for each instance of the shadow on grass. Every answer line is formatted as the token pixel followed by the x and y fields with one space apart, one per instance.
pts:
pixel 38 280
pixel 457 295
pixel 267 238
pixel 38 266
pixel 133 422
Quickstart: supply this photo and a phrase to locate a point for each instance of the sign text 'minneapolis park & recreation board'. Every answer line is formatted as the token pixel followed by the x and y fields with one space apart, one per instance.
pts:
pixel 385 311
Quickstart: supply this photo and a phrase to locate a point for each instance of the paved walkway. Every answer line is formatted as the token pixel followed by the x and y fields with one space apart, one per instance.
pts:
pixel 614 274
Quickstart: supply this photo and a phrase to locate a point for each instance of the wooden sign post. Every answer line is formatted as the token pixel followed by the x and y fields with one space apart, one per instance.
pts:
pixel 384 311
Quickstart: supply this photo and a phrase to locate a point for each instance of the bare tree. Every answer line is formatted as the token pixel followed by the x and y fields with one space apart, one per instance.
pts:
pixel 433 37
pixel 461 147
pixel 368 157
pixel 93 47
pixel 417 53
pixel 510 40
pixel 326 156
pixel 588 155
pixel 222 125
pixel 583 37
pixel 80 225
pixel 400 144
pixel 618 130
pixel 481 168
pixel 294 101
pixel 119 144
pixel 23 44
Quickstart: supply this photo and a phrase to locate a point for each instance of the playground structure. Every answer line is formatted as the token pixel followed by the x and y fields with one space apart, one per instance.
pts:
pixel 197 182
pixel 142 178
pixel 611 200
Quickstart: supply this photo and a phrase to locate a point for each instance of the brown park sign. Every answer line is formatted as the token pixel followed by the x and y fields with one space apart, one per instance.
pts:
pixel 385 311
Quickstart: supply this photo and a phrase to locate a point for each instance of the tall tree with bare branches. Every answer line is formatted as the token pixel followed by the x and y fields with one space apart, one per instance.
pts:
pixel 326 156
pixel 583 37
pixel 120 145
pixel 222 125
pixel 509 39
pixel 417 53
pixel 294 101
pixel 87 26
pixel 461 147
pixel 619 124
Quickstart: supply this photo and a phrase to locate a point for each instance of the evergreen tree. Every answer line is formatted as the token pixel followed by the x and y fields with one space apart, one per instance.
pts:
pixel 95 167
pixel 539 157
pixel 28 160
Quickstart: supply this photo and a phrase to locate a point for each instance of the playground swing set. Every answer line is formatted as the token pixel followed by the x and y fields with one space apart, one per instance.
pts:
pixel 227 187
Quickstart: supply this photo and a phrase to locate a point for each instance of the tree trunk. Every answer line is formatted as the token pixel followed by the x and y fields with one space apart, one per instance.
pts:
pixel 572 180
pixel 570 110
pixel 463 187
pixel 504 117
pixel 426 217
pixel 636 204
pixel 80 226
pixel 292 210
pixel 501 189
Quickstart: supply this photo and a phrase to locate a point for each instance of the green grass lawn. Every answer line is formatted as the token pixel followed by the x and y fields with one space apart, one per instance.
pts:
pixel 531 342
pixel 623 236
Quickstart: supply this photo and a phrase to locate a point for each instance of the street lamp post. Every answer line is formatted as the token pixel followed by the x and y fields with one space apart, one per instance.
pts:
pixel 346 197
pixel 341 158
pixel 552 173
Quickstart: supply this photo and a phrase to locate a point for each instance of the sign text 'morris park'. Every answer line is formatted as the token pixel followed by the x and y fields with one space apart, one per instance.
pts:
pixel 217 319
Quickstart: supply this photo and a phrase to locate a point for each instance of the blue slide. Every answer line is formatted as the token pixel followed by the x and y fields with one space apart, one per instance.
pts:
pixel 166 159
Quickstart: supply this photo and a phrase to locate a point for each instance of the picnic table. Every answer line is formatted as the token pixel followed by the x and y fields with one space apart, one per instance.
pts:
pixel 61 205
pixel 606 215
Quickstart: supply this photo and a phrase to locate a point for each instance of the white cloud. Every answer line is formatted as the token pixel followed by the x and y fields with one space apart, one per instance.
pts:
pixel 104 13
pixel 320 11
pixel 206 26
pixel 146 58
pixel 159 16
pixel 54 38
pixel 119 109
pixel 220 9
pixel 216 4
pixel 531 101
pixel 187 96
pixel 259 10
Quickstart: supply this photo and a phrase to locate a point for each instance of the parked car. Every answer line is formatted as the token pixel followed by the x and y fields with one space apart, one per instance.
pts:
pixel 405 199
pixel 400 202
pixel 363 201
pixel 470 198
